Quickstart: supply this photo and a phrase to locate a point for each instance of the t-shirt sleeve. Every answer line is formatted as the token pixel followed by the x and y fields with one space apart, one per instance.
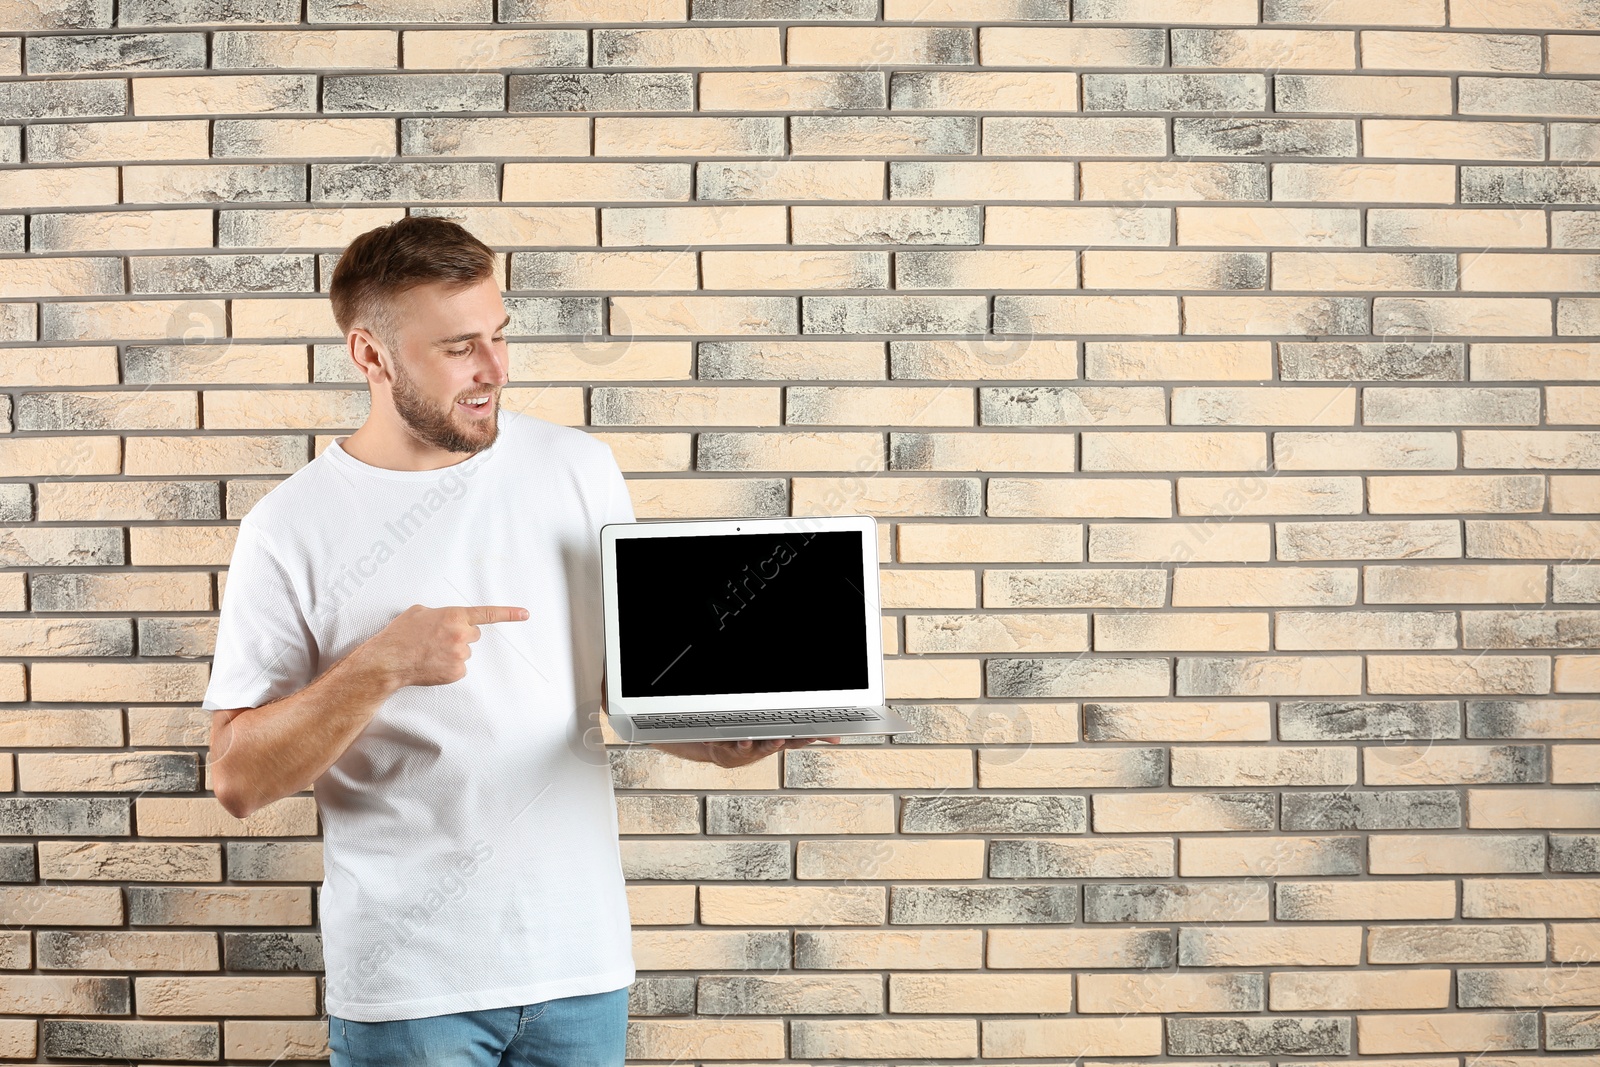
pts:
pixel 265 649
pixel 619 505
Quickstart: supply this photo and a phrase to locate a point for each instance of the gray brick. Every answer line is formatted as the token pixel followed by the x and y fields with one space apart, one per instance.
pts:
pixel 165 636
pixel 353 182
pixel 17 863
pixel 63 547
pixel 1546 628
pixel 540 316
pixel 1456 943
pixel 1061 677
pixel 272 951
pixel 391 11
pixel 1062 405
pixel 64 817
pixel 68 15
pixel 654 91
pixel 1374 361
pixel 1273 1036
pixel 274 861
pixel 413 92
pixel 1575 853
pixel 1545 97
pixel 893 225
pixel 1530 185
pixel 1478 406
pixel 11 147
pixel 1174 92
pixel 784 10
pixel 1074 136
pixel 1264 137
pixel 982 905
pixel 1365 540
pixel 657 995
pixel 1406 809
pixel 89 53
pixel 1564 1031
pixel 1105 902
pixel 12 231
pixel 67 98
pixel 767 360
pixel 1340 720
pixel 761 950
pixel 243 182
pixel 1025 813
pixel 741 994
pixel 736 861
pixel 1092 588
pixel 85 1039
pixel 894 314
pixel 85 637
pixel 190 12
pixel 1082 858
pixel 16 505
pixel 212 273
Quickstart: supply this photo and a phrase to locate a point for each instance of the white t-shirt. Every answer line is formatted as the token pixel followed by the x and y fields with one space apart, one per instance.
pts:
pixel 470 830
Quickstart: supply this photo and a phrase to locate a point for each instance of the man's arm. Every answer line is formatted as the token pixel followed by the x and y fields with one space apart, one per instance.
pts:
pixel 259 755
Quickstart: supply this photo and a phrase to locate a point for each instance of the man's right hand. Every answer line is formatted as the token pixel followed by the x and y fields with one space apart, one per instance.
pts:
pixel 431 646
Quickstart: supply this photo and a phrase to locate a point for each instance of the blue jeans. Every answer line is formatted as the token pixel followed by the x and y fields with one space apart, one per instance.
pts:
pixel 582 1031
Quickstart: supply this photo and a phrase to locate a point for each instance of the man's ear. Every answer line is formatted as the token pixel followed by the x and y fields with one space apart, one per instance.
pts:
pixel 369 355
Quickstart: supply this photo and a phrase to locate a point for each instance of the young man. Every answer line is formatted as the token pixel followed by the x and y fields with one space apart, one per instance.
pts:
pixel 473 910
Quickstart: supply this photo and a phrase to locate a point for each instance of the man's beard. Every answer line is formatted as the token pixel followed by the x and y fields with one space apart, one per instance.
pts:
pixel 439 428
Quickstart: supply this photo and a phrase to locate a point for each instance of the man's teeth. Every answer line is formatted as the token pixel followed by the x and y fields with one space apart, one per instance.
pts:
pixel 478 402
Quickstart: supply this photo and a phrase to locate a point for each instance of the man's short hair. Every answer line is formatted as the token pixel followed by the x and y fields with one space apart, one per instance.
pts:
pixel 383 263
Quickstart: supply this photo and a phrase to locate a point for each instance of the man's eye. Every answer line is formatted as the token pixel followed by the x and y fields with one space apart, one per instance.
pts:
pixel 456 351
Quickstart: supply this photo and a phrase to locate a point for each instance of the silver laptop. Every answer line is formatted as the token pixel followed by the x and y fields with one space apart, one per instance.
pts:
pixel 725 629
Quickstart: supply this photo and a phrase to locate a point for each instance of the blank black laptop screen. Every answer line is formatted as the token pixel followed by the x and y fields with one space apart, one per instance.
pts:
pixel 741 613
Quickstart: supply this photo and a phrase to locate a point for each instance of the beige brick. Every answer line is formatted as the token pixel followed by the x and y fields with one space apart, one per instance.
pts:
pixel 225 996
pixel 274 1039
pixel 305 48
pixel 720 224
pixel 1092 768
pixel 1220 765
pixel 1379 183
pixel 1180 721
pixel 1174 270
pixel 877 47
pixel 970 451
pixel 1234 857
pixel 1241 946
pixel 1449 1032
pixel 1056 46
pixel 688 136
pixel 985 91
pixel 1164 11
pixel 1134 994
pixel 1176 450
pixel 1466 674
pixel 592 182
pixel 1526 272
pixel 941 679
pixel 1448 853
pixel 1072 1038
pixel 886 496
pixel 1451 316
pixel 667 315
pixel 905 859
pixel 1414 899
pixel 898 405
pixel 923 542
pixel 1089 314
pixel 1276 49
pixel 224 94
pixel 1029 225
pixel 479 49
pixel 963 994
pixel 775 90
pixel 1168 360
pixel 1451 583
pixel 1419 139
pixel 1177 181
pixel 1186 632
pixel 1363 991
pixel 294 816
pixel 1450 52
pixel 105 142
pixel 1476 228
pixel 1095 498
pixel 61 905
pixel 51 188
pixel 1362 94
pixel 59 456
pixel 996 633
pixel 737 905
pixel 794 270
pixel 1035 269
pixel 1572 54
pixel 1543 808
pixel 1318 227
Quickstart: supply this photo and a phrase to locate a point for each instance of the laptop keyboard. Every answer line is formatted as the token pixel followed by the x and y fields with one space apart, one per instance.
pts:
pixel 754 718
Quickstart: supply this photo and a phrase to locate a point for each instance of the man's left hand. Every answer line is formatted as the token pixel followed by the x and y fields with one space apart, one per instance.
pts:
pixel 740 753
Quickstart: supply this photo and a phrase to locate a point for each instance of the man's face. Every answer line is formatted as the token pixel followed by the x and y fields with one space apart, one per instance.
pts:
pixel 451 348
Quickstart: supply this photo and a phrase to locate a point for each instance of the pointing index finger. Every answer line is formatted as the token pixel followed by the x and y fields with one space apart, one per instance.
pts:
pixel 480 614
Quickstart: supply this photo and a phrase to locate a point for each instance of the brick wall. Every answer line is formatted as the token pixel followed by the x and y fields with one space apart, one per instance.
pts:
pixel 1224 376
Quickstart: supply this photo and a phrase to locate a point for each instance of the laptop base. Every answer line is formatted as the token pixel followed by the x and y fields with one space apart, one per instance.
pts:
pixel 637 730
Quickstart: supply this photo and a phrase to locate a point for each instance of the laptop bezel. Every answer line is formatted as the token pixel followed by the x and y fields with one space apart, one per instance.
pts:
pixel 871 696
